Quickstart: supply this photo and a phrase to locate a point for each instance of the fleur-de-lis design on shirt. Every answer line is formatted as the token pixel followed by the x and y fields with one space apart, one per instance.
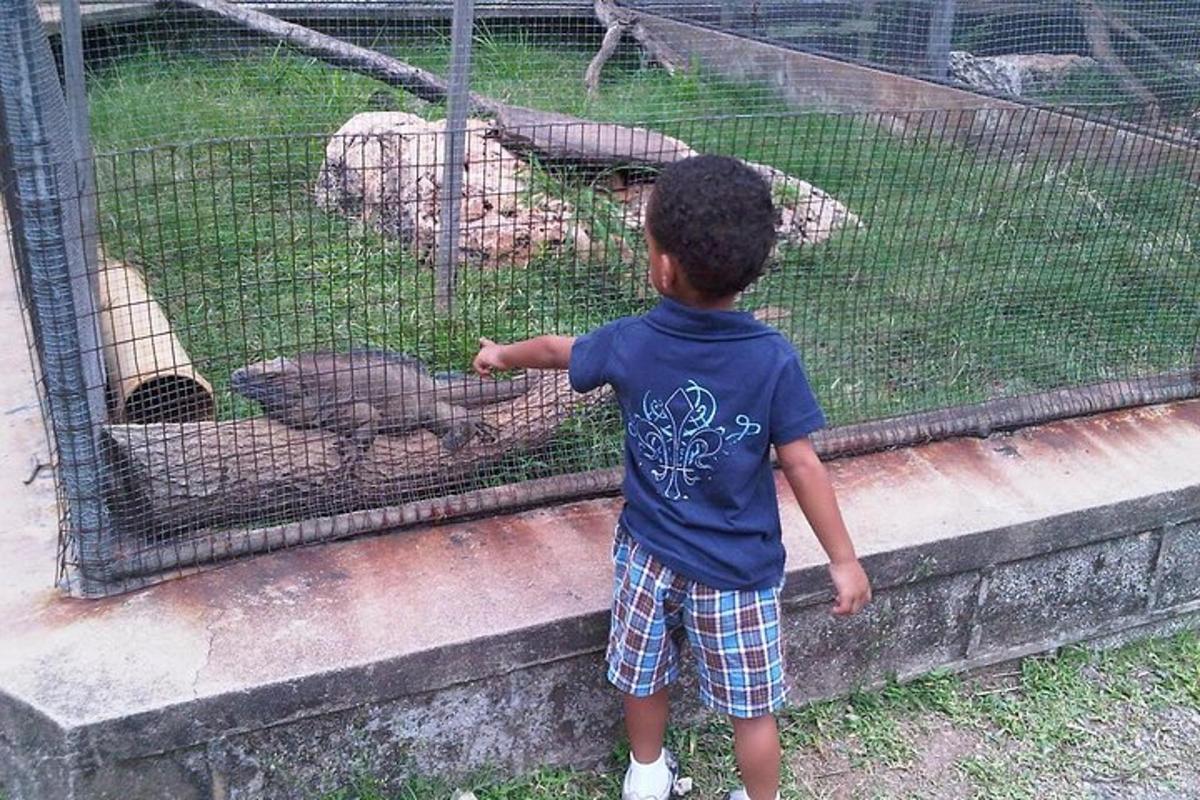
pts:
pixel 678 438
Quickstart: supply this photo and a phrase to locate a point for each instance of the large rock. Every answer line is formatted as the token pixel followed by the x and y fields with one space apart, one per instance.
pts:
pixel 385 168
pixel 1015 74
pixel 806 213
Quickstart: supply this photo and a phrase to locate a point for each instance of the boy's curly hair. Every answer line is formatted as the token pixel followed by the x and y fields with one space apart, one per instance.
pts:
pixel 715 216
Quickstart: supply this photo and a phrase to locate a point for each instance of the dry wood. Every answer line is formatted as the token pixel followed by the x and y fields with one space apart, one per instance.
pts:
pixel 561 138
pixel 210 474
pixel 1115 21
pixel 620 21
pixel 553 137
pixel 210 546
pixel 1095 27
pixel 612 38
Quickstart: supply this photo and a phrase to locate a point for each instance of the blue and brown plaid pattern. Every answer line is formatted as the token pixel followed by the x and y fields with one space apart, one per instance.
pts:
pixel 734 635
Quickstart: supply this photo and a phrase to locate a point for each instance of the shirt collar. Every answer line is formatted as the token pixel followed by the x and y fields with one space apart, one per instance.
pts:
pixel 671 316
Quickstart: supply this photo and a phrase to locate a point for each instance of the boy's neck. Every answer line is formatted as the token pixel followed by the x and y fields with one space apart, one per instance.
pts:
pixel 693 299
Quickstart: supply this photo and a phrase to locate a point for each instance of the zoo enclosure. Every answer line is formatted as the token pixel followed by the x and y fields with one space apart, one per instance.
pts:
pixel 988 214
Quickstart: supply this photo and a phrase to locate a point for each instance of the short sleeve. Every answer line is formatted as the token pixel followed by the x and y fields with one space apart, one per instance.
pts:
pixel 795 412
pixel 591 356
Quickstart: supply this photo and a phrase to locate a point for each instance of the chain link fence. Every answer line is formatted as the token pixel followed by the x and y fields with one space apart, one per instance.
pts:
pixel 255 278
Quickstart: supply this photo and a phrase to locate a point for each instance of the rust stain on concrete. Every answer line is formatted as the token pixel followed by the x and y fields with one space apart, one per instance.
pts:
pixel 271 617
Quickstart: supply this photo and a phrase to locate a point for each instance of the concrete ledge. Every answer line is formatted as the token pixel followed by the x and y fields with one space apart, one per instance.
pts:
pixel 479 644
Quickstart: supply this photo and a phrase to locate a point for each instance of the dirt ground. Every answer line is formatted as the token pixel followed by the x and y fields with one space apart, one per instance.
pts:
pixel 1102 738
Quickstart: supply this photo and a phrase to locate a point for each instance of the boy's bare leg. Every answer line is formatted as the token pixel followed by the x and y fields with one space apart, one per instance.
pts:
pixel 756 747
pixel 646 724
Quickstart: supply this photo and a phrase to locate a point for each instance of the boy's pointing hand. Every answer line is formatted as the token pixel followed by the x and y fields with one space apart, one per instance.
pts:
pixel 490 357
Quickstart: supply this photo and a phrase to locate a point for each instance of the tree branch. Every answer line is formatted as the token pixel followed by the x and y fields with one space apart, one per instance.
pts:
pixel 620 21
pixel 1095 27
pixel 553 137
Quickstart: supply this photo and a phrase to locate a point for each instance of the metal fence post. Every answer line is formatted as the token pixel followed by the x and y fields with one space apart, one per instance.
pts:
pixel 729 11
pixel 70 36
pixel 941 28
pixel 458 102
pixel 43 192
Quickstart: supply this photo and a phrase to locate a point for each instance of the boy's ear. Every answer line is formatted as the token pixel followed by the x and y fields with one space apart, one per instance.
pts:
pixel 668 271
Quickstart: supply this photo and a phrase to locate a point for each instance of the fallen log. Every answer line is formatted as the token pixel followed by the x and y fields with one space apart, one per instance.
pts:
pixel 211 546
pixel 173 478
pixel 562 139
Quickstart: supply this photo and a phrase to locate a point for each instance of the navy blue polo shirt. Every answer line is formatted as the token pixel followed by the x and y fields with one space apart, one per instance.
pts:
pixel 703 395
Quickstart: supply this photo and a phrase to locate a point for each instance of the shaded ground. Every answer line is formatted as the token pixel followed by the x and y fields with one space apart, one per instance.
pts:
pixel 1081 724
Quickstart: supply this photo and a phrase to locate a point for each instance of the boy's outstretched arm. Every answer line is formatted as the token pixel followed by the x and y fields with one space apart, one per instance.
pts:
pixel 810 483
pixel 541 352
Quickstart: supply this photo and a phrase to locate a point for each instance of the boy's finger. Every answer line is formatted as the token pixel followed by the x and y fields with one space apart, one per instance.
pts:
pixel 485 342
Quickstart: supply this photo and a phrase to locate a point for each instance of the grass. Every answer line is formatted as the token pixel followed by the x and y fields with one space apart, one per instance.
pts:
pixel 1127 720
pixel 971 277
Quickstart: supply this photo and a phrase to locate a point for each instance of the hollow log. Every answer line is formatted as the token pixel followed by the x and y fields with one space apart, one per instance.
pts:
pixel 556 138
pixel 191 476
pixel 151 376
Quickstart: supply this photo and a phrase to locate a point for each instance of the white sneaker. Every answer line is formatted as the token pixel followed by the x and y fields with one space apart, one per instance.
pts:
pixel 672 771
pixel 740 794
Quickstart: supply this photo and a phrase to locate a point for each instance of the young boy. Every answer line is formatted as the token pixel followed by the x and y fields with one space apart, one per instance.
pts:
pixel 704 390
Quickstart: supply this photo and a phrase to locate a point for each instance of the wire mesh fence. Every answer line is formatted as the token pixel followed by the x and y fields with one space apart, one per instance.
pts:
pixel 278 362
pixel 1132 60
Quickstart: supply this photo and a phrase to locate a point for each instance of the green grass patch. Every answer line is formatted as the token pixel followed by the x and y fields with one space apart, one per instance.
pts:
pixel 970 278
pixel 1042 730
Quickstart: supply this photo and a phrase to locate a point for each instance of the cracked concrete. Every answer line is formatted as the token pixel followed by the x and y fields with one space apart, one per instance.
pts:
pixel 210 628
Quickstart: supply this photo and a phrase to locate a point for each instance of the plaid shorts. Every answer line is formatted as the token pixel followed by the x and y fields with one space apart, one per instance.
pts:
pixel 734 635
